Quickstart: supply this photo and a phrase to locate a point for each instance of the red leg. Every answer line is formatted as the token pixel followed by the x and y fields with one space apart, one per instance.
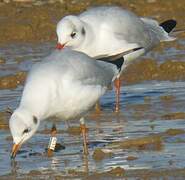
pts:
pixel 84 135
pixel 117 84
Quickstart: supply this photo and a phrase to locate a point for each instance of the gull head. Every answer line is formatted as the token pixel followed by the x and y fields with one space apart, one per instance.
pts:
pixel 70 32
pixel 22 125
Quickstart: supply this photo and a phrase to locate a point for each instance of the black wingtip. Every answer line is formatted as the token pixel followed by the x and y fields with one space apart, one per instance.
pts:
pixel 168 25
pixel 118 59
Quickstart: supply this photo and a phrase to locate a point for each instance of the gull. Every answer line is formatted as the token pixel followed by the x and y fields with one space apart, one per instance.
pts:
pixel 108 30
pixel 65 84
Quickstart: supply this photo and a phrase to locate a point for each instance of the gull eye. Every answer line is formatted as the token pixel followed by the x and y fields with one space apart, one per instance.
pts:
pixel 35 120
pixel 73 34
pixel 27 130
pixel 83 31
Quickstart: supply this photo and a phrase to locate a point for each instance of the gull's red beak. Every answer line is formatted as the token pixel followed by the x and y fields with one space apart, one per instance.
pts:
pixel 60 46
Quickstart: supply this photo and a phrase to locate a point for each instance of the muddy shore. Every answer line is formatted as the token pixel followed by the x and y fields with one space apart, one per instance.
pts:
pixel 135 73
pixel 35 22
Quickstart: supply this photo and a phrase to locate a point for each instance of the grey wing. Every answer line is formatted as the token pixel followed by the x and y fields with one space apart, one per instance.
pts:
pixel 125 26
pixel 94 72
pixel 103 74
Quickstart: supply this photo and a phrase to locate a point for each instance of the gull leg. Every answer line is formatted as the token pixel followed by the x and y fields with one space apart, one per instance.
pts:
pixel 117 84
pixel 84 135
pixel 53 140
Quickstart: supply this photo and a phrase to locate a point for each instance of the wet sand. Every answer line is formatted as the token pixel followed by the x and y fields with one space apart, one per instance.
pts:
pixel 144 141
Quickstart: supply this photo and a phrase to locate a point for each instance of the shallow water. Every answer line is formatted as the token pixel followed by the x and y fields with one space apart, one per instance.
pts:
pixel 142 111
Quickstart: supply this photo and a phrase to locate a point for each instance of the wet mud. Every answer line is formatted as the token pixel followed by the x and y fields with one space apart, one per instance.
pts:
pixel 152 70
pixel 143 143
pixel 174 116
pixel 100 154
pixel 12 81
pixel 35 21
pixel 145 70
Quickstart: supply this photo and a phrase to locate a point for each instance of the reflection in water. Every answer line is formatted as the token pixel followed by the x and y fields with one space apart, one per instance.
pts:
pixel 98 127
pixel 14 167
pixel 55 161
pixel 85 163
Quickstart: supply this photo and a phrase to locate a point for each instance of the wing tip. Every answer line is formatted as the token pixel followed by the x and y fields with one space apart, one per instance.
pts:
pixel 168 25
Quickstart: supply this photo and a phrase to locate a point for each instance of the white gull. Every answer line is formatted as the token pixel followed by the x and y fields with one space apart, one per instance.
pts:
pixel 65 84
pixel 109 30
